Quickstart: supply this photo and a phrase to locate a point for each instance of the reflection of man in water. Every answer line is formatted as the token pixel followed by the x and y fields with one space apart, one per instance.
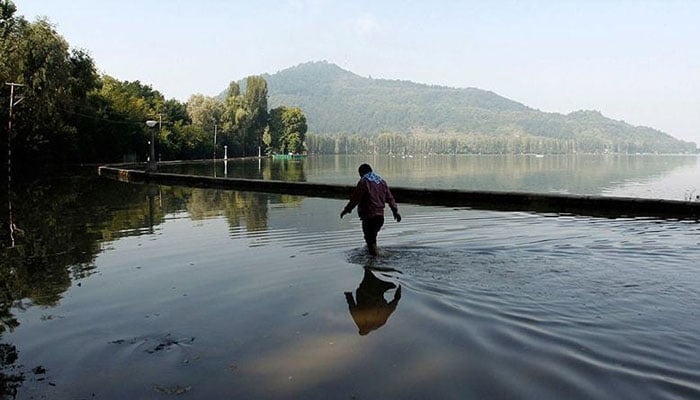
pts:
pixel 371 309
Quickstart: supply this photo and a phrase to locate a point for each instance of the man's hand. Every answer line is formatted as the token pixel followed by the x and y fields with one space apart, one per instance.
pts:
pixel 342 213
pixel 397 216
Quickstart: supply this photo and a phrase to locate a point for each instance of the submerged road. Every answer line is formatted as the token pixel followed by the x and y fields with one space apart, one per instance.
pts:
pixel 597 206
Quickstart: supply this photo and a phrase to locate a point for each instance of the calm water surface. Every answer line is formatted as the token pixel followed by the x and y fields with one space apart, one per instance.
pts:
pixel 123 291
pixel 662 177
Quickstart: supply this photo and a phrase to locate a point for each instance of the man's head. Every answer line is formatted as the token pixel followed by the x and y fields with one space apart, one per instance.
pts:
pixel 364 169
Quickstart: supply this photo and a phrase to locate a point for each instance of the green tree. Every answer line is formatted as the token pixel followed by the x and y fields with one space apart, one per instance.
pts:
pixel 207 114
pixel 235 119
pixel 205 111
pixel 267 140
pixel 256 107
pixel 288 129
pixel 186 141
pixel 56 82
pixel 69 113
pixel 11 29
pixel 246 115
pixel 276 128
pixel 122 107
pixel 175 111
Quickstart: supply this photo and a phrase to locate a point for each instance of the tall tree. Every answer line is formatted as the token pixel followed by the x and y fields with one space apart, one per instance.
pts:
pixel 11 29
pixel 235 121
pixel 256 107
pixel 246 115
pixel 288 129
pixel 206 114
pixel 121 109
pixel 56 82
pixel 205 111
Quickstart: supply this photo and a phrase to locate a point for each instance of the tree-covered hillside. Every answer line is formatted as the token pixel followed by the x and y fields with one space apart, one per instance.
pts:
pixel 341 104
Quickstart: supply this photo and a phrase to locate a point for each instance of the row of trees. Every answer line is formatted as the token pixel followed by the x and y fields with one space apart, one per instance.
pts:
pixel 429 143
pixel 245 122
pixel 65 112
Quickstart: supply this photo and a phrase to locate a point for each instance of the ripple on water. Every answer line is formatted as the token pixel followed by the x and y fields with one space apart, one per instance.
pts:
pixel 589 308
pixel 494 305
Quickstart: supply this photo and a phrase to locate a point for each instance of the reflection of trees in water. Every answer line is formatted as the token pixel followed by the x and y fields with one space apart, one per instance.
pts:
pixel 578 174
pixel 10 379
pixel 249 209
pixel 291 170
pixel 202 204
pixel 65 223
pixel 64 220
pixel 284 170
pixel 581 173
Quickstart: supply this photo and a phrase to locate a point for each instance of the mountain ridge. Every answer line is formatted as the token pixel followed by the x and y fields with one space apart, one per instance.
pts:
pixel 337 101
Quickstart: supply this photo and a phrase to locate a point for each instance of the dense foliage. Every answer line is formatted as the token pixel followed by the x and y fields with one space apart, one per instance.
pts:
pixel 358 110
pixel 287 130
pixel 245 117
pixel 55 85
pixel 65 112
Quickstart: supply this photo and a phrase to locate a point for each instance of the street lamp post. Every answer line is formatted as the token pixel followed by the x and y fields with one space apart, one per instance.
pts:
pixel 152 165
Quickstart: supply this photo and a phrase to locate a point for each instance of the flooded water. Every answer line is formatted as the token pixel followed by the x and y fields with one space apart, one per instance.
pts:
pixel 118 291
pixel 671 177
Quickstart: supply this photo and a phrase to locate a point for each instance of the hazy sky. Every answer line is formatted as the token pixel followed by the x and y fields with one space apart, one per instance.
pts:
pixel 637 61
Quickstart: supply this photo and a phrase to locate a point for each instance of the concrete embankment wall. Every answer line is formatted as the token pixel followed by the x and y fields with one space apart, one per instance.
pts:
pixel 599 206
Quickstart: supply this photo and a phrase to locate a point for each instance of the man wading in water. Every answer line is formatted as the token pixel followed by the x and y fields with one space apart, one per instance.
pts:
pixel 369 196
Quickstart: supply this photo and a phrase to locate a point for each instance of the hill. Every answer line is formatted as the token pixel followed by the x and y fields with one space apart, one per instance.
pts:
pixel 337 101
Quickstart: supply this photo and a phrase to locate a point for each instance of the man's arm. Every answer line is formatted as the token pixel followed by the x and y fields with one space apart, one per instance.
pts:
pixel 392 204
pixel 357 194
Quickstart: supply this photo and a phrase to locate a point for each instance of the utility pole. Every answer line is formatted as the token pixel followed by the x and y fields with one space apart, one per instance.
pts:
pixel 13 103
pixel 160 132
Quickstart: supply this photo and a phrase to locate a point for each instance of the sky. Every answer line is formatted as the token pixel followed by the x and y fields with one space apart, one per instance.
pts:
pixel 636 61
